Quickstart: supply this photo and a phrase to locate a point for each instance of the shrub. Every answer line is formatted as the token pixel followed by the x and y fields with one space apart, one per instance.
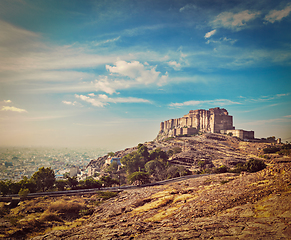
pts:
pixel 255 165
pixel 23 192
pixel 62 206
pixel 221 169
pixel 271 149
pixel 50 217
pixel 177 171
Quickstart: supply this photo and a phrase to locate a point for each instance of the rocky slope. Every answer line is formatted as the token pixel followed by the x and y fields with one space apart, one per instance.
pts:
pixel 221 206
pixel 215 149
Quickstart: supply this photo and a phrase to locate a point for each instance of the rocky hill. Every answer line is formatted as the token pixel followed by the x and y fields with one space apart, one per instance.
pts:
pixel 221 206
pixel 215 149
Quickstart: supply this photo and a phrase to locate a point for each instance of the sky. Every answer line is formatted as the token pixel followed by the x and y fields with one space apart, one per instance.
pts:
pixel 106 73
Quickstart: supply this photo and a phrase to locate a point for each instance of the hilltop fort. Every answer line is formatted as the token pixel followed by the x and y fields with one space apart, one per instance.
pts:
pixel 214 120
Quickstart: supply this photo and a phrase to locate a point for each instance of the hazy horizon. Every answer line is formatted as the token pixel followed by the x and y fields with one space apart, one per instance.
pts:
pixel 105 73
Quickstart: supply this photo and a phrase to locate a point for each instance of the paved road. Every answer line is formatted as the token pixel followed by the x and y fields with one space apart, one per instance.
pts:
pixel 8 198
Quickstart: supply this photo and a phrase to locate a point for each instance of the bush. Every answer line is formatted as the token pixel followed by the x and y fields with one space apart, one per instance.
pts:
pixel 255 165
pixel 65 208
pixel 221 169
pixel 177 171
pixel 60 184
pixel 271 149
pixel 50 217
pixel 140 177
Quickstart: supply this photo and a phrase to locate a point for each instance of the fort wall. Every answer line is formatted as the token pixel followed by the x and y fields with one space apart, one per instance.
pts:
pixel 214 120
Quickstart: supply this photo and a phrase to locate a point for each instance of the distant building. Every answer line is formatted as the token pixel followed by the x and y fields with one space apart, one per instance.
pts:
pixel 113 159
pixel 74 171
pixel 91 171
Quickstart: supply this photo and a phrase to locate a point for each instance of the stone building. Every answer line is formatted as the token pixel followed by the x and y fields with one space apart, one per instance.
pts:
pixel 243 134
pixel 214 120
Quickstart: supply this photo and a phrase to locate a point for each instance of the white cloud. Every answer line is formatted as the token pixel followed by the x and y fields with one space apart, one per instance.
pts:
pixel 209 34
pixel 7 101
pixel 219 102
pixel 175 65
pixel 277 15
pixel 93 101
pixel 12 109
pixel 69 102
pixel 127 100
pixel 106 41
pixel 135 70
pixel 232 41
pixel 23 56
pixel 105 85
pixel 234 21
pixel 187 7
pixel 102 99
pixel 268 98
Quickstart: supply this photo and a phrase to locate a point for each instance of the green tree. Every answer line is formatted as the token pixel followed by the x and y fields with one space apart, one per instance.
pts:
pixel 72 181
pixel 14 187
pixel 140 177
pixel 112 167
pixel 108 181
pixel 143 151
pixel 60 184
pixel 111 154
pixel 158 153
pixel 29 184
pixel 156 169
pixel 92 183
pixel 133 162
pixel 4 188
pixel 44 178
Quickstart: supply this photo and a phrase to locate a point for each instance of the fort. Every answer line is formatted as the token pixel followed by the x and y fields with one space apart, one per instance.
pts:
pixel 214 120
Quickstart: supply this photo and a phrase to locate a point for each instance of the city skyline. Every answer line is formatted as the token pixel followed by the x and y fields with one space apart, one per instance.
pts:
pixel 106 73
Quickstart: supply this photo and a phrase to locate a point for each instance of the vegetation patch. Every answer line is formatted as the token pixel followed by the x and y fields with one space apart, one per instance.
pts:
pixel 183 197
pixel 39 215
pixel 154 205
pixel 163 214
pixel 106 195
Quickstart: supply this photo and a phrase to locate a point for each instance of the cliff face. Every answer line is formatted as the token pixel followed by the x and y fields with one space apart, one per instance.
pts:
pixel 213 120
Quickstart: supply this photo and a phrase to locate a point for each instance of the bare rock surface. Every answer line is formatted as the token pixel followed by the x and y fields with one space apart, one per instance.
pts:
pixel 221 206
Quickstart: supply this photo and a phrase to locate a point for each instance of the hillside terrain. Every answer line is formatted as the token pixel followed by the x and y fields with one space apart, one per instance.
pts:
pixel 221 206
pixel 215 149
pixel 217 206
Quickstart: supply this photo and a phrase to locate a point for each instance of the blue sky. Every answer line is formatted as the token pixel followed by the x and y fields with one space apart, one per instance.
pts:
pixel 106 73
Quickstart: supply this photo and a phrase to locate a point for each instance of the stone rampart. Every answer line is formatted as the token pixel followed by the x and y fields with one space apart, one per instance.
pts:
pixel 212 120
